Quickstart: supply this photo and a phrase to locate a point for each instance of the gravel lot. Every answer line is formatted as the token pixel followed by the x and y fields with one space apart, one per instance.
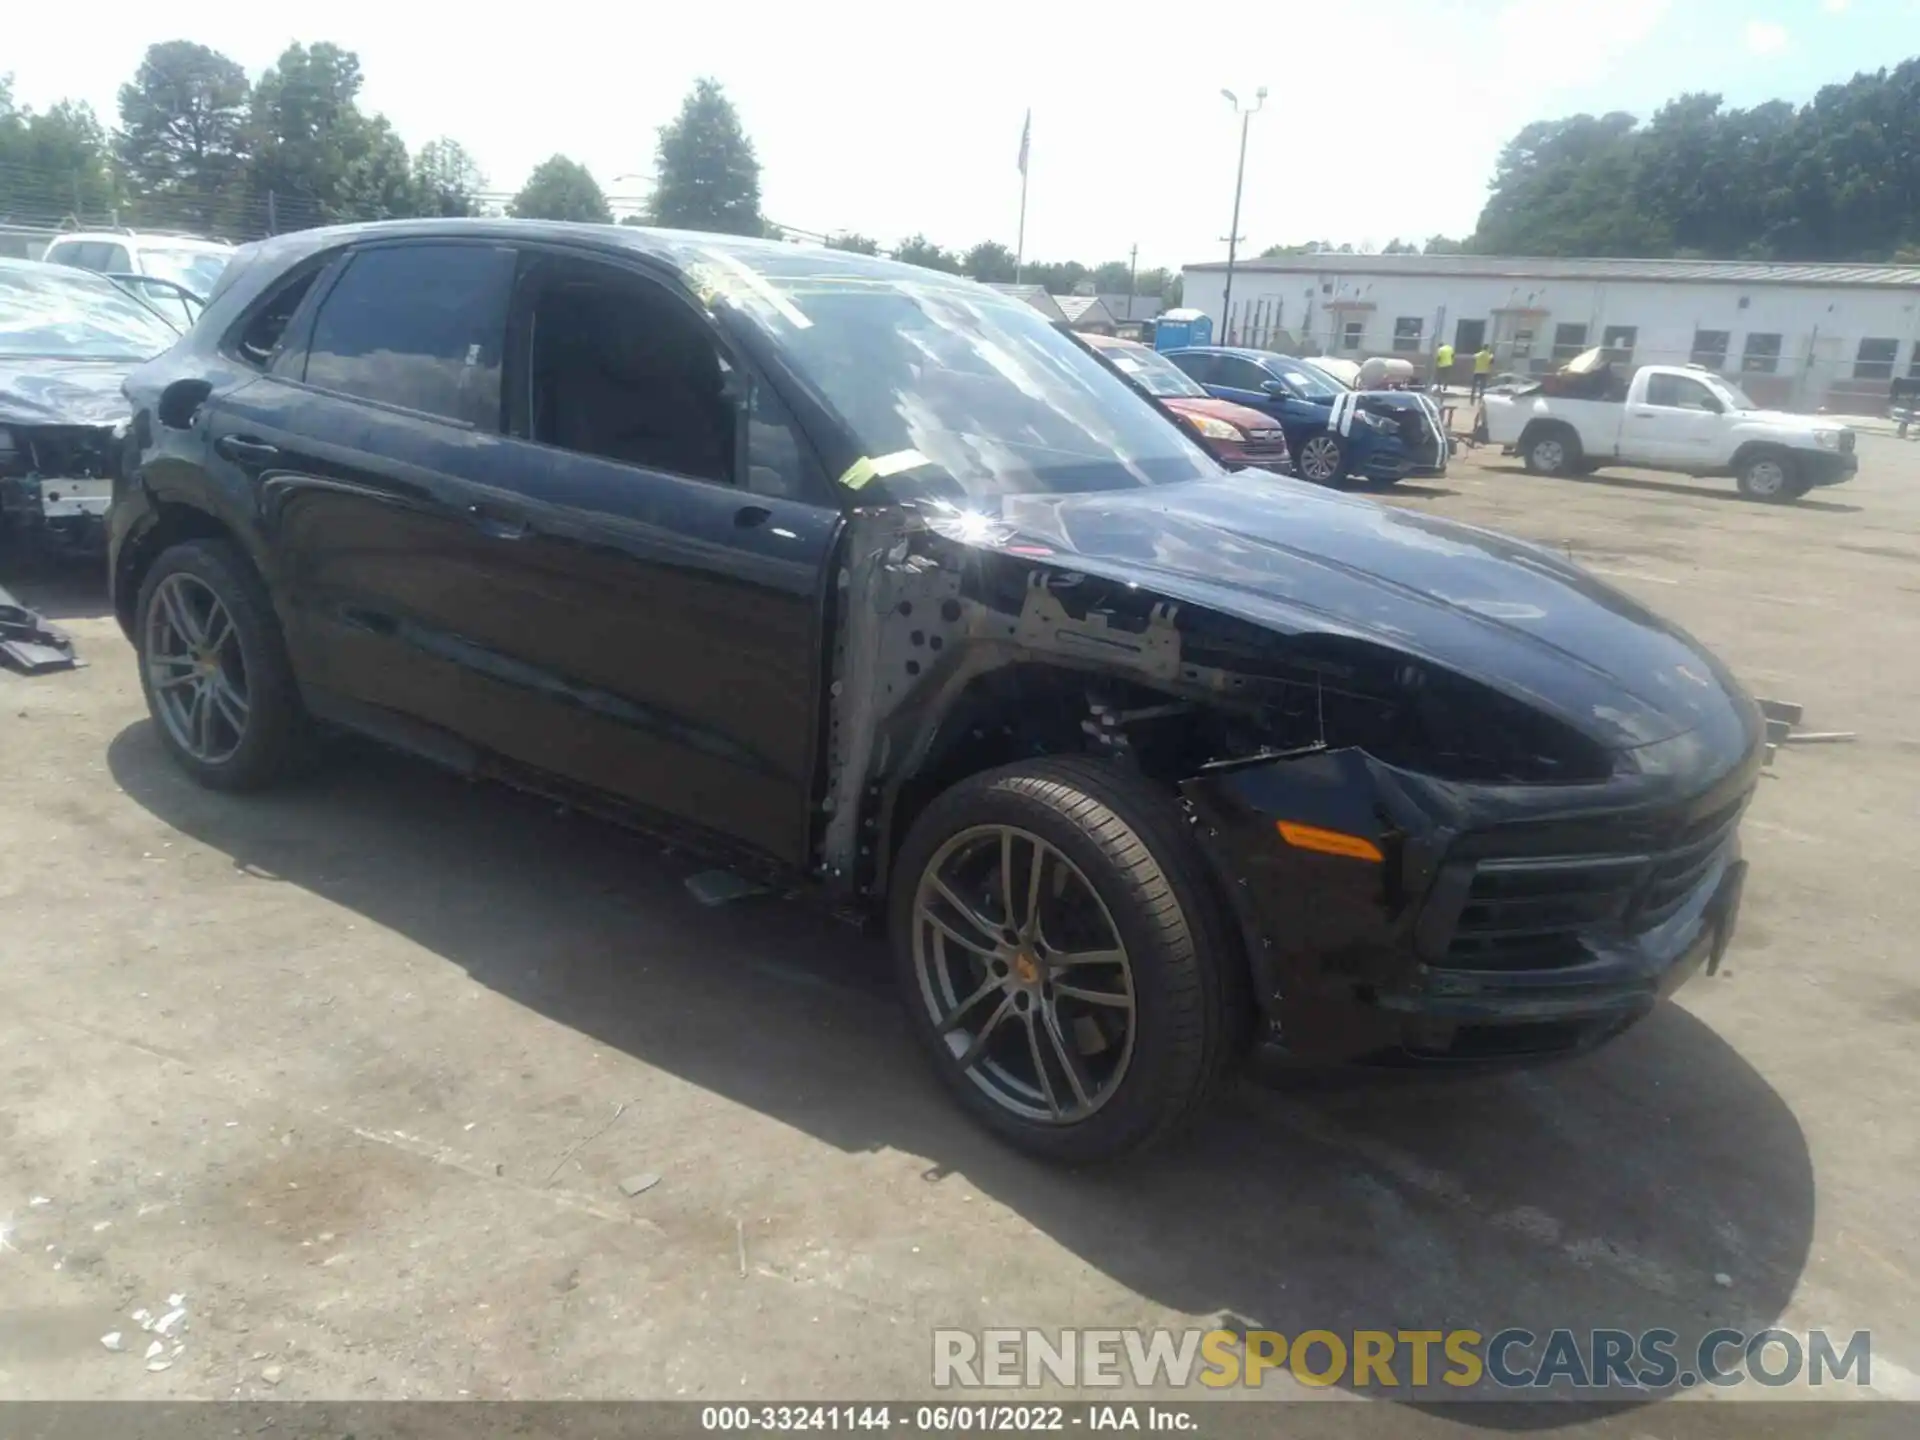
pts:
pixel 358 1069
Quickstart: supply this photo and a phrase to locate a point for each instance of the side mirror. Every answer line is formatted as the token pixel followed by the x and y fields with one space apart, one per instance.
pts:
pixel 1276 388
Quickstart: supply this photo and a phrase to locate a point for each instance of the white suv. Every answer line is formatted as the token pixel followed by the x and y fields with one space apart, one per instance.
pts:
pixel 185 260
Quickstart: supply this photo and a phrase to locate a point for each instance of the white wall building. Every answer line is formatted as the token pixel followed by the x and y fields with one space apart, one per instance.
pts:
pixel 1795 336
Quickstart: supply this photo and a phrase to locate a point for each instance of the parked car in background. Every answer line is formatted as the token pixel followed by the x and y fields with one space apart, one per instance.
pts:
pixel 1665 417
pixel 1334 432
pixel 67 342
pixel 186 262
pixel 869 579
pixel 1235 436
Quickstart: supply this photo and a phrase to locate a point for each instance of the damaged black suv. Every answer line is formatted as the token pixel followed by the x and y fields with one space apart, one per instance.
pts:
pixel 850 569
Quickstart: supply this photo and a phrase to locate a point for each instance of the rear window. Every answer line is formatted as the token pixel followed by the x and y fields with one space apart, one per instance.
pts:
pixel 418 326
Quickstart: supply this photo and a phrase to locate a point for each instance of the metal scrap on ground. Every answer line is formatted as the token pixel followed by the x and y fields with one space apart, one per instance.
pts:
pixel 29 644
pixel 1782 715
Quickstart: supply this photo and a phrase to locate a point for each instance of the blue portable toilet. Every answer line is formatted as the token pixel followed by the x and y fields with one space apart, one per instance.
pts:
pixel 1180 328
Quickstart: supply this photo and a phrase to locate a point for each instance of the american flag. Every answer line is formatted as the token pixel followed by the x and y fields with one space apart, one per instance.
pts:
pixel 1026 134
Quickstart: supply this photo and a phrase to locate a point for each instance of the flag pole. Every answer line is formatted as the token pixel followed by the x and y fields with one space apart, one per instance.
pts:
pixel 1020 237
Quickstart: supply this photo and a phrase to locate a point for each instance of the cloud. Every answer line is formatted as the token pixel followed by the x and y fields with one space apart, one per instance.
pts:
pixel 1765 37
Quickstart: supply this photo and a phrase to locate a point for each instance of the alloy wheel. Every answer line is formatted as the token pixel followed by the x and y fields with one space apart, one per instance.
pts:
pixel 195 671
pixel 1320 458
pixel 1024 974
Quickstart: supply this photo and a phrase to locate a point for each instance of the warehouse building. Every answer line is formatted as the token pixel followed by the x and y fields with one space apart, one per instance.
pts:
pixel 1800 337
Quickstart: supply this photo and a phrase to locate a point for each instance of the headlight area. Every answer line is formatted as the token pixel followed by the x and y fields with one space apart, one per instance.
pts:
pixel 1214 429
pixel 1827 439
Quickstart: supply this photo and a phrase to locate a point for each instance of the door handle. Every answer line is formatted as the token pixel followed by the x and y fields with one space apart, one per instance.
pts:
pixel 748 516
pixel 498 527
pixel 1645 415
pixel 244 450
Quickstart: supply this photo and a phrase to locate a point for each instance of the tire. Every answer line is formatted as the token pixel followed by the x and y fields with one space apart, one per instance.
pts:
pixel 242 701
pixel 1321 458
pixel 1552 450
pixel 1772 477
pixel 1127 844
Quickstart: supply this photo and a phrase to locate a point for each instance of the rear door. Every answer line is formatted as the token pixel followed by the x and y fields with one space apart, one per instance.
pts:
pixel 374 451
pixel 1675 424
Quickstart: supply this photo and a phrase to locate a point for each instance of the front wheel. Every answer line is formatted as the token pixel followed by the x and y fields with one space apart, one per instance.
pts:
pixel 1322 459
pixel 1063 959
pixel 1772 477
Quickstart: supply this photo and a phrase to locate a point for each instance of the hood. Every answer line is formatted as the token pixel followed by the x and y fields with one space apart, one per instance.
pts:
pixel 63 392
pixel 1298 559
pixel 1241 415
pixel 1787 419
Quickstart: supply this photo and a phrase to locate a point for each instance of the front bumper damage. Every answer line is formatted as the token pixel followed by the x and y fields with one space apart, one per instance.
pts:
pixel 1499 926
pixel 56 483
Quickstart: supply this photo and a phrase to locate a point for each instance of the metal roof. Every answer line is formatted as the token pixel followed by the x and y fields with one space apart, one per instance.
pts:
pixel 1083 307
pixel 1520 267
pixel 1034 295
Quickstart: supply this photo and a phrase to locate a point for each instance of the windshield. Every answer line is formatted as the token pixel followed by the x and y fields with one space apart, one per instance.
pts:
pixel 195 269
pixel 1152 372
pixel 55 315
pixel 996 400
pixel 1306 381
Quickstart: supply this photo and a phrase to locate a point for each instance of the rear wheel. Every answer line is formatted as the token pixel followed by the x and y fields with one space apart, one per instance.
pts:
pixel 1552 451
pixel 1321 459
pixel 1063 959
pixel 1772 476
pixel 215 670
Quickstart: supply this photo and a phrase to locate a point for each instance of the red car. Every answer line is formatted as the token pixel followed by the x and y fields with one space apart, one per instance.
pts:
pixel 1236 436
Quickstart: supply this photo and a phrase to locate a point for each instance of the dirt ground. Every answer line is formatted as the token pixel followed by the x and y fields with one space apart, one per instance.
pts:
pixel 358 1069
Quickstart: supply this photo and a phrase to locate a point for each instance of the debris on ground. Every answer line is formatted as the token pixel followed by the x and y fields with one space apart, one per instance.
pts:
pixel 39 1200
pixel 164 1325
pixel 1723 1280
pixel 1783 715
pixel 29 644
pixel 272 1374
pixel 721 887
pixel 142 1317
pixel 113 1341
pixel 638 1184
pixel 155 1349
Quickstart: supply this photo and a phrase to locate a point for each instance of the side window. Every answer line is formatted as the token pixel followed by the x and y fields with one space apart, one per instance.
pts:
pixel 619 368
pixel 68 255
pixel 418 326
pixel 261 333
pixel 114 258
pixel 779 463
pixel 1676 392
pixel 1201 368
pixel 1240 374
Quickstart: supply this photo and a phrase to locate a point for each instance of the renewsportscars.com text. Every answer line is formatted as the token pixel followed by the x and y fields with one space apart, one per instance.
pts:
pixel 1510 1359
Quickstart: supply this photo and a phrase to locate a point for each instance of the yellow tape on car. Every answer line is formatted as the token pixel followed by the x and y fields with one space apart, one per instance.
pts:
pixel 868 468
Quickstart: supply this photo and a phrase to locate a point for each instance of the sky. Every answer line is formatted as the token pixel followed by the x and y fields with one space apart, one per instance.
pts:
pixel 895 118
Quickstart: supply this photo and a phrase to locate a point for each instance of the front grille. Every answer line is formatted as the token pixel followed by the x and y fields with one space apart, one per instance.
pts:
pixel 1535 913
pixel 1265 448
pixel 68 452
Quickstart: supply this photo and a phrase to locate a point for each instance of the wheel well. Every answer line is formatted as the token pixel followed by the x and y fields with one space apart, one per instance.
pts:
pixel 1753 450
pixel 1025 711
pixel 1538 428
pixel 176 523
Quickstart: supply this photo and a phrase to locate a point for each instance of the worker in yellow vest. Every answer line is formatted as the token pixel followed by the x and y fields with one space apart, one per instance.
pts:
pixel 1442 363
pixel 1482 371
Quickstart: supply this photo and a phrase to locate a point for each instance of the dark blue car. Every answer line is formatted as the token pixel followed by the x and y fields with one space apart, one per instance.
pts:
pixel 1333 432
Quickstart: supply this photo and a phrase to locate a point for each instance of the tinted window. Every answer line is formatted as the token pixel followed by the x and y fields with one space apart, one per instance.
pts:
pixel 114 258
pixel 1197 363
pixel 419 326
pixel 1238 373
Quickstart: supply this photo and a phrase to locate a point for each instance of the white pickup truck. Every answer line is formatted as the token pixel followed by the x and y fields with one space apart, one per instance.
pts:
pixel 1665 418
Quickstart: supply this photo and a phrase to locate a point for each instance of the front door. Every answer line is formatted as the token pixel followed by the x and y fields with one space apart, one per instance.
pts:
pixel 661 604
pixel 1675 425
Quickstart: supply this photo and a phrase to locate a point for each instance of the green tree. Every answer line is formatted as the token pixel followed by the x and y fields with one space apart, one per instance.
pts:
pixel 1112 278
pixel 1058 277
pixel 182 139
pixel 856 243
pixel 1442 245
pixel 54 164
pixel 448 181
pixel 918 250
pixel 316 158
pixel 1397 246
pixel 707 176
pixel 1152 282
pixel 989 261
pixel 561 189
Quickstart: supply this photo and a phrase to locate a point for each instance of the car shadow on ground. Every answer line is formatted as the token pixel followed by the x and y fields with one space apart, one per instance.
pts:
pixel 1658 1183
pixel 57 586
pixel 1704 490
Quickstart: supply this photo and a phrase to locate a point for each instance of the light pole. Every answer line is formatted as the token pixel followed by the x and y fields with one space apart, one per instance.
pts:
pixel 1239 178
